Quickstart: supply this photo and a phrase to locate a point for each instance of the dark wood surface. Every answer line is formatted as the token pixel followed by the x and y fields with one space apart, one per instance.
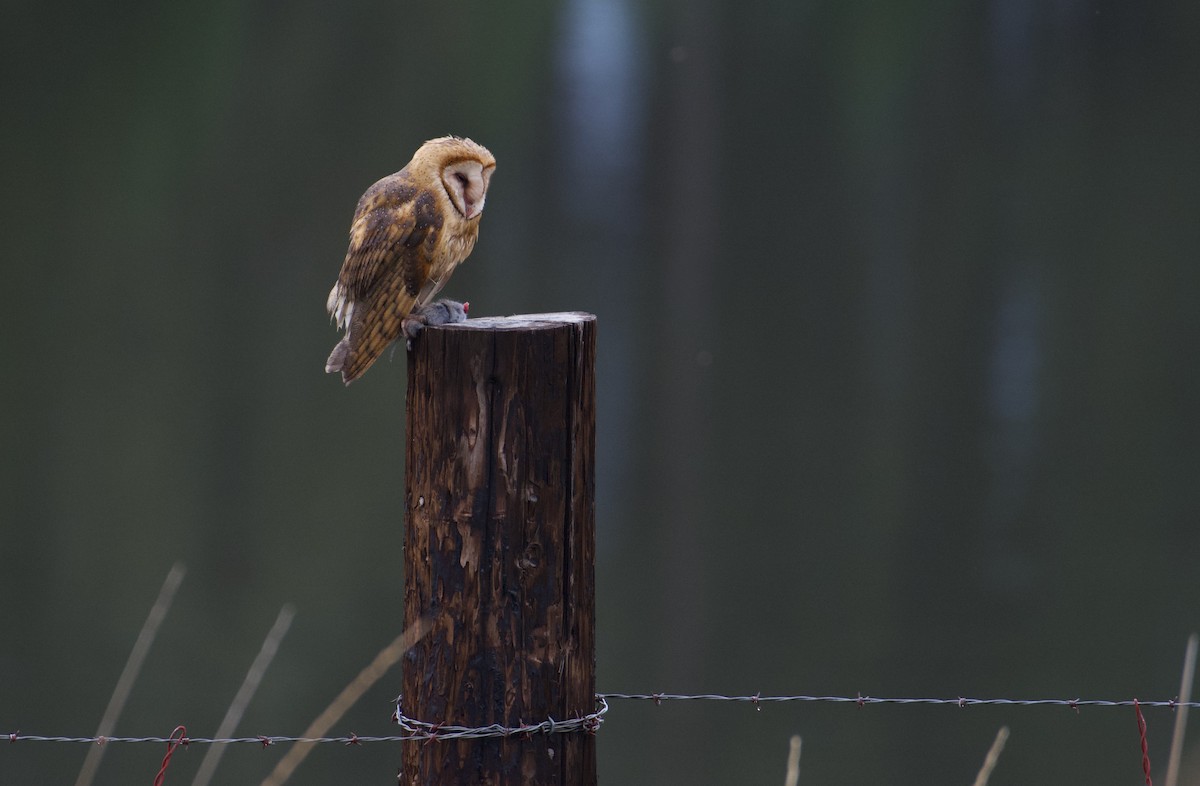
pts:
pixel 499 546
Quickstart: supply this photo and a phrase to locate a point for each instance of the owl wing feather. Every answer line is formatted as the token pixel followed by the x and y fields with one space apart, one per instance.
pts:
pixel 384 222
pixel 388 264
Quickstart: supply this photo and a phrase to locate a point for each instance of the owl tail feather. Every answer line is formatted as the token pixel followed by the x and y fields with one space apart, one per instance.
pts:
pixel 338 359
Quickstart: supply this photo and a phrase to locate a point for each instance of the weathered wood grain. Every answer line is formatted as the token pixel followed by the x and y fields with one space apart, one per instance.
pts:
pixel 499 546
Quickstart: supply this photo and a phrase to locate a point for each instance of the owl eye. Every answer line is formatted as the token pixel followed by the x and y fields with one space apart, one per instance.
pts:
pixel 462 179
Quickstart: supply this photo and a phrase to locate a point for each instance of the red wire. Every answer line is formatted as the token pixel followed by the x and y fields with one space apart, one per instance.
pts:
pixel 172 744
pixel 1145 749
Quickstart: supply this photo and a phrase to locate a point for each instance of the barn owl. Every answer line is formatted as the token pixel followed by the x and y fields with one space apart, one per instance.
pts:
pixel 409 232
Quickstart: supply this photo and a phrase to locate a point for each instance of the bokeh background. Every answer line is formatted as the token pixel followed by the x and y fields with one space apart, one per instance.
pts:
pixel 897 382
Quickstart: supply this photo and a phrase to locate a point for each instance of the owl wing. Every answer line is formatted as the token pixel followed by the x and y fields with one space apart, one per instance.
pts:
pixel 386 271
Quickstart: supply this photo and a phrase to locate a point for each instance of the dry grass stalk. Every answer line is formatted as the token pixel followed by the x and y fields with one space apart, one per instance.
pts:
pixel 1185 695
pixel 133 667
pixel 245 693
pixel 993 755
pixel 793 761
pixel 387 658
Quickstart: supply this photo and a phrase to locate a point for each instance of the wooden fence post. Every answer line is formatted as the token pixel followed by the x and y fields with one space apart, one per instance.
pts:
pixel 500 545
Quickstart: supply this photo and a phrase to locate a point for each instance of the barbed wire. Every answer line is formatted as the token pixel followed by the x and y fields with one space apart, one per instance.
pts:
pixel 590 723
pixel 263 740
pixel 861 700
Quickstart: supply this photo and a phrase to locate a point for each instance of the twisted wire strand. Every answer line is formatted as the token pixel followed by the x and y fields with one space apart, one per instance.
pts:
pixel 423 730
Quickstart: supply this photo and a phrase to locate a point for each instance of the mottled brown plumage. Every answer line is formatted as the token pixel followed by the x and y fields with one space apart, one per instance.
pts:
pixel 409 232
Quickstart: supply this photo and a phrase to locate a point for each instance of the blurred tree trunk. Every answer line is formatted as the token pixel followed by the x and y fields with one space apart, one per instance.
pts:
pixel 683 444
pixel 599 221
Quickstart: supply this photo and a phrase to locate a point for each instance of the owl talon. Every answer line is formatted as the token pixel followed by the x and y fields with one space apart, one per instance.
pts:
pixel 440 312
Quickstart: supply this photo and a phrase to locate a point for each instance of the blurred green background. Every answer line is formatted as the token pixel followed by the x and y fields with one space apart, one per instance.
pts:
pixel 897 380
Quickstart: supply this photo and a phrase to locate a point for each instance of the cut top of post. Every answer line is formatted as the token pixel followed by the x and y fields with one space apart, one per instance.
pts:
pixel 523 321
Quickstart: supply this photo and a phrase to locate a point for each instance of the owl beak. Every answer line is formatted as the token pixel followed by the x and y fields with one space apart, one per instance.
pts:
pixel 474 209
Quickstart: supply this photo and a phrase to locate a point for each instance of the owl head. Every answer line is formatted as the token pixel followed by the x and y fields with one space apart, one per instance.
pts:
pixel 462 167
